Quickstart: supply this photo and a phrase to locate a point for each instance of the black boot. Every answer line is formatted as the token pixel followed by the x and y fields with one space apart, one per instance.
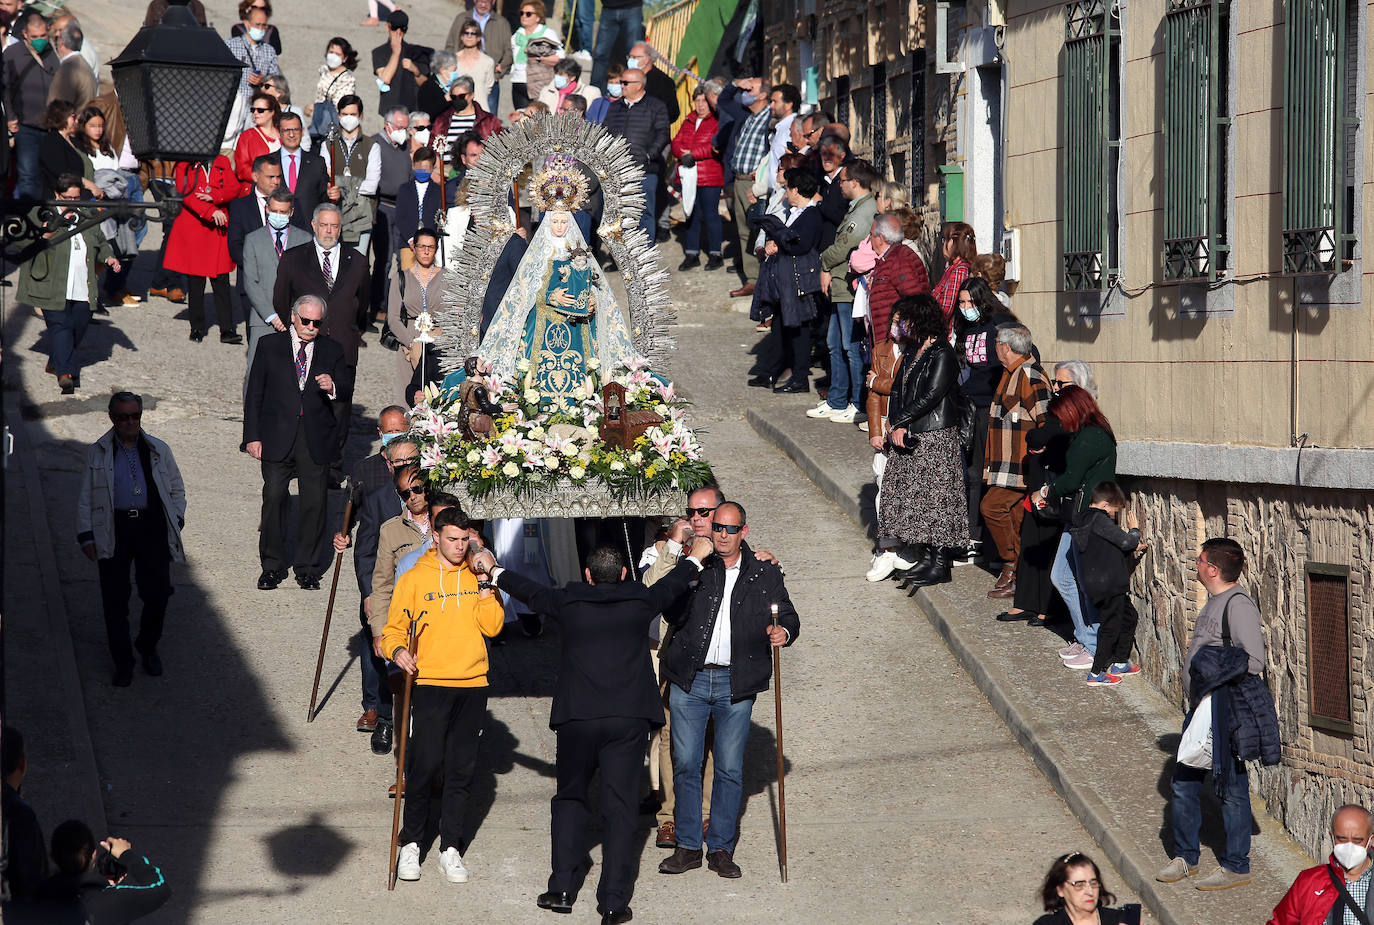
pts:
pixel 935 572
pixel 922 554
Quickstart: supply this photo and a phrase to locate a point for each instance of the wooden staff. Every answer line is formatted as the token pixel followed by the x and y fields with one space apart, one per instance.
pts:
pixel 515 195
pixel 402 733
pixel 329 611
pixel 782 794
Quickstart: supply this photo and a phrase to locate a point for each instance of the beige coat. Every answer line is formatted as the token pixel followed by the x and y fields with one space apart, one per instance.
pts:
pixel 398 536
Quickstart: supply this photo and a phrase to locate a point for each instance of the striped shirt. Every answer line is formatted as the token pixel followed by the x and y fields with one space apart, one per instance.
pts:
pixel 752 144
pixel 456 127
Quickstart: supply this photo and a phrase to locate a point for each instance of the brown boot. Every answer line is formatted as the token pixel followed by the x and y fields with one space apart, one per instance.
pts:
pixel 680 861
pixel 667 836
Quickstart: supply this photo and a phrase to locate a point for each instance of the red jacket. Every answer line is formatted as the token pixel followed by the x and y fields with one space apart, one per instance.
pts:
pixel 899 272
pixel 694 138
pixel 1310 898
pixel 196 245
pixel 485 126
pixel 250 147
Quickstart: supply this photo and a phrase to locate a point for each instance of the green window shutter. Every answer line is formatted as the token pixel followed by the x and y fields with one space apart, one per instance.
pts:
pixel 1091 142
pixel 1194 131
pixel 1317 117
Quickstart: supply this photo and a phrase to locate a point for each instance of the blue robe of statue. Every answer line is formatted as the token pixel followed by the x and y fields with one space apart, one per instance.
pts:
pixel 559 339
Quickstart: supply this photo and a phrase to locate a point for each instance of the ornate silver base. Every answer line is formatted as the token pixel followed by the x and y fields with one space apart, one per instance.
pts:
pixel 569 501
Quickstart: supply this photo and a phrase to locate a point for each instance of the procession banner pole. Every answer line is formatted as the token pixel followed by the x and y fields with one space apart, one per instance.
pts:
pixel 329 611
pixel 402 733
pixel 782 793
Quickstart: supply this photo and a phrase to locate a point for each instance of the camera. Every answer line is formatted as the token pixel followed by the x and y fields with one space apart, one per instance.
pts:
pixel 106 865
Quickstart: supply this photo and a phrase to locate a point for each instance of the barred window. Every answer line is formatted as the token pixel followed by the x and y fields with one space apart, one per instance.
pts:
pixel 1092 143
pixel 1196 134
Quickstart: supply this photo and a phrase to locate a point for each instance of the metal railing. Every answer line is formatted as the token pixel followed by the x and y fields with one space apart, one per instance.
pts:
pixel 1092 142
pixel 664 31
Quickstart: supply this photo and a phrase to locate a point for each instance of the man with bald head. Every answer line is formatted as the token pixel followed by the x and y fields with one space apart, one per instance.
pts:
pixel 656 83
pixel 1337 892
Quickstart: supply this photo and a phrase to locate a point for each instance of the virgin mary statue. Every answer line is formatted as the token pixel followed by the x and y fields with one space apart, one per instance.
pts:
pixel 558 311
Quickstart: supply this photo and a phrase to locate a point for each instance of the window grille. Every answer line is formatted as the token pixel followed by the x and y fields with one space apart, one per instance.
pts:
pixel 878 123
pixel 842 99
pixel 1092 142
pixel 918 128
pixel 1328 647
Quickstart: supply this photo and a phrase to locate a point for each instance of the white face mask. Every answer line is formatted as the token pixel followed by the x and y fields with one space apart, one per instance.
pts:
pixel 349 122
pixel 632 64
pixel 278 220
pixel 332 60
pixel 398 136
pixel 1350 855
pixel 422 136
pixel 970 314
pixel 560 81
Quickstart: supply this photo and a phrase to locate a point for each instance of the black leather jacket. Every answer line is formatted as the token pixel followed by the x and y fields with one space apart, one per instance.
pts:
pixel 925 396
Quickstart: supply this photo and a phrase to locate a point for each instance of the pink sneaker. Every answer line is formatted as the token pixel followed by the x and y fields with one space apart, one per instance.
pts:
pixel 1080 662
pixel 1070 651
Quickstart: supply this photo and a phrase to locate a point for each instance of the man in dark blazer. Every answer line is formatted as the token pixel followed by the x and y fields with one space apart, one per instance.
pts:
pixel 605 703
pixel 298 379
pixel 302 172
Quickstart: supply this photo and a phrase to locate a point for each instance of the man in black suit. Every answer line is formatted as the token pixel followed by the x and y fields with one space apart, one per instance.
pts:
pixel 303 173
pixel 605 704
pixel 298 379
pixel 249 213
pixel 337 275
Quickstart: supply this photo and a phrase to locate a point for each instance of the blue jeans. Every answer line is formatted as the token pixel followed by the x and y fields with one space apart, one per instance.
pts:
pixel 1186 807
pixel 376 689
pixel 65 331
pixel 583 25
pixel 494 100
pixel 1062 577
pixel 846 358
pixel 704 222
pixel 29 180
pixel 709 698
pixel 620 29
pixel 648 221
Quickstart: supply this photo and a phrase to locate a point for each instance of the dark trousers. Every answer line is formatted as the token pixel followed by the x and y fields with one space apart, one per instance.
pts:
pixel 162 277
pixel 445 726
pixel 384 246
pixel 312 490
pixel 973 472
pixel 65 332
pixel 376 689
pixel 142 542
pixel 1116 632
pixel 616 746
pixel 195 302
pixel 794 348
pixel 703 228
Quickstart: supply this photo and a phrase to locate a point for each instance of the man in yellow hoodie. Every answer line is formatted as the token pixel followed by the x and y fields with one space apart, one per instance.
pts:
pixel 449 702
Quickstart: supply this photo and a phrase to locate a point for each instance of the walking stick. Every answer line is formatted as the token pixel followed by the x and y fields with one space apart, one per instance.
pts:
pixel 402 733
pixel 329 611
pixel 782 794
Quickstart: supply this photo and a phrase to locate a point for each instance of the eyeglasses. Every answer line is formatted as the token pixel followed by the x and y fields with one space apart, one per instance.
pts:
pixel 406 463
pixel 472 35
pixel 1081 885
pixel 310 322
pixel 731 529
pixel 699 511
pixel 426 247
pixel 127 416
pixel 291 131
pixel 416 491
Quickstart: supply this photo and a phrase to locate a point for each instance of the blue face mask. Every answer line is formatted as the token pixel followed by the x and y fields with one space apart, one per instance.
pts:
pixel 970 314
pixel 422 176
pixel 748 99
pixel 614 90
pixel 560 81
pixel 632 63
pixel 387 438
pixel 257 34
pixel 278 220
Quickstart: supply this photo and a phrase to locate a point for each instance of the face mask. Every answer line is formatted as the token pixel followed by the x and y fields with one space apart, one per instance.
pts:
pixel 332 60
pixel 614 90
pixel 398 136
pixel 39 45
pixel 387 438
pixel 1350 855
pixel 560 81
pixel 447 79
pixel 632 64
pixel 422 136
pixel 278 220
pixel 350 123
pixel 422 176
pixel 460 101
pixel 970 314
pixel 257 34
pixel 382 85
pixel 748 99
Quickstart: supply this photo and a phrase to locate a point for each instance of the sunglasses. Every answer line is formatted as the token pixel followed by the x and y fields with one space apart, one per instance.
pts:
pixel 524 13
pixel 699 511
pixel 413 491
pixel 477 35
pixel 731 529
pixel 261 109
pixel 130 416
pixel 310 322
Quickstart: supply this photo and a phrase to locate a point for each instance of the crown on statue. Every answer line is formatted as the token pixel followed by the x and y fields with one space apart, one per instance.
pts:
pixel 560 186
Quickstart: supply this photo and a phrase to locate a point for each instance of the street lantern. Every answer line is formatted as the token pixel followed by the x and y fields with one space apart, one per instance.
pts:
pixel 177 82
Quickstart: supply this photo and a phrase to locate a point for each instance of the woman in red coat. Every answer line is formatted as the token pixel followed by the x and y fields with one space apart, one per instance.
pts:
pixel 692 146
pixel 262 138
pixel 198 244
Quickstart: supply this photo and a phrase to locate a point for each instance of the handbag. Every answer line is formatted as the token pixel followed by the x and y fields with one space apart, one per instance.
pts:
pixel 389 340
pixel 1195 748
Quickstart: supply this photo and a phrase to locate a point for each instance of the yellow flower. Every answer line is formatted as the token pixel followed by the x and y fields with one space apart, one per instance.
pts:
pixel 651 472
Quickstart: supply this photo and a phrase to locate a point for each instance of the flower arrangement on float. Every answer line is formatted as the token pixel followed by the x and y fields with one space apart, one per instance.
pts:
pixel 536 446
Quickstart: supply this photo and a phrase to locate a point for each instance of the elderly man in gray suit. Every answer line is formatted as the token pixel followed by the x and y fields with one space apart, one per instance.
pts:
pixel 262 250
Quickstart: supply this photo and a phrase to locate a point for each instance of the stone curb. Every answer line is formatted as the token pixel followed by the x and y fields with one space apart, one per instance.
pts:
pixel 1138 872
pixel 68 689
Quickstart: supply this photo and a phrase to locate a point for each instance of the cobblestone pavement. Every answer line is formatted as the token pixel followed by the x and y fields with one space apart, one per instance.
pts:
pixel 908 800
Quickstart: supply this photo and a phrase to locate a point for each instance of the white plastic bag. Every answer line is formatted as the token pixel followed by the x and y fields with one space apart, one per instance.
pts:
pixel 1195 748
pixel 688 178
pixel 860 308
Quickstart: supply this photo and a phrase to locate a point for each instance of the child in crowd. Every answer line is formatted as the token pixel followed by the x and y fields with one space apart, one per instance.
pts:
pixel 1106 555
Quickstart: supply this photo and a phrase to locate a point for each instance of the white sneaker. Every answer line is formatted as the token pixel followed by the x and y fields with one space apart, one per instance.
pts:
pixel 451 863
pixel 883 565
pixel 845 415
pixel 863 426
pixel 902 564
pixel 408 867
pixel 823 410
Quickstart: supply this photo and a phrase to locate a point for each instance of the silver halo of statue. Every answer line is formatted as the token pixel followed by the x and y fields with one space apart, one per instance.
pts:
pixel 562 408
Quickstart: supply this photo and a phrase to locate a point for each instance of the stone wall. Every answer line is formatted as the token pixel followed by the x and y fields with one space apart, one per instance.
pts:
pixel 1281 529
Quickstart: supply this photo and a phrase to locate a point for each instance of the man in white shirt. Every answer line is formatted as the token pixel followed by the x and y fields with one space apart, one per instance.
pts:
pixel 785 100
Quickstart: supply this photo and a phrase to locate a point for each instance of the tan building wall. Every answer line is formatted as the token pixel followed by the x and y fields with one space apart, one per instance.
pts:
pixel 1166 374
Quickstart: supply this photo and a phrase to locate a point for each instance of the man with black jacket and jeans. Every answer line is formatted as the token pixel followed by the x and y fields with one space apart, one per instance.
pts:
pixel 642 120
pixel 717 660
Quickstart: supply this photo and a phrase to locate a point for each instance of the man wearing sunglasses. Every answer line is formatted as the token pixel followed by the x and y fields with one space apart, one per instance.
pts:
pixel 717 660
pixel 290 426
pixel 131 510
